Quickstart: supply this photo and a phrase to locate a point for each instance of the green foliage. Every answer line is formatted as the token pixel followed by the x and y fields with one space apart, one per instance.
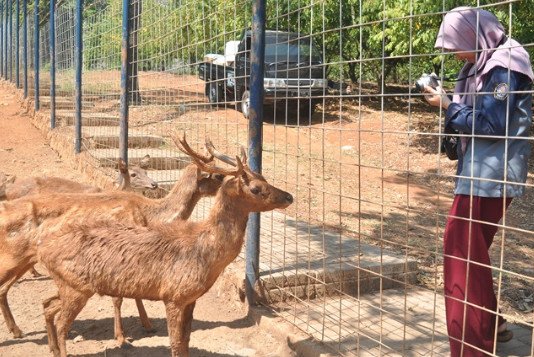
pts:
pixel 380 40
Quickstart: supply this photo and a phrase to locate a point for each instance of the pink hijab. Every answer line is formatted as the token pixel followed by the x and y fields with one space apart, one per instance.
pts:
pixel 460 30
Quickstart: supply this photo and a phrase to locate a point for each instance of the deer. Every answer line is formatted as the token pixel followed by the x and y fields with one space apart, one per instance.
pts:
pixel 174 262
pixel 19 218
pixel 134 178
pixel 131 179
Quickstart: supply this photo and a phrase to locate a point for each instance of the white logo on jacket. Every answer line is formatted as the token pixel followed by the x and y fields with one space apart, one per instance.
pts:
pixel 501 91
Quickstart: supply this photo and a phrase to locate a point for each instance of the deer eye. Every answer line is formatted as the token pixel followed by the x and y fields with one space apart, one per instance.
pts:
pixel 255 190
pixel 133 175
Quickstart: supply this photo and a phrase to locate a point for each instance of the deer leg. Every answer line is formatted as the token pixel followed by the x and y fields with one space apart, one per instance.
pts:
pixel 179 320
pixel 7 278
pixel 72 302
pixel 188 320
pixel 51 307
pixel 143 315
pixel 119 330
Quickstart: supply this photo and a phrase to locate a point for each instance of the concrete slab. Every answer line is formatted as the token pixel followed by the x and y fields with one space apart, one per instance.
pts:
pixel 62 103
pixel 88 118
pixel 159 159
pixel 299 260
pixel 108 137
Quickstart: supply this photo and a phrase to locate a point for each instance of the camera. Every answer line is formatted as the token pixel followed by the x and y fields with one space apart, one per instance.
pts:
pixel 431 80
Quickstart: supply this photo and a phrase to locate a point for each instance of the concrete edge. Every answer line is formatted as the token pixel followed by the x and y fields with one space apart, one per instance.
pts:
pixel 230 286
pixel 298 341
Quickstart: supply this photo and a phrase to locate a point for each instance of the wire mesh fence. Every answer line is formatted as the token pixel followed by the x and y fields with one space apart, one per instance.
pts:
pixel 64 30
pixel 357 261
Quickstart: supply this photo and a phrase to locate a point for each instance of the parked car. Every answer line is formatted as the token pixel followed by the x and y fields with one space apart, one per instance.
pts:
pixel 294 72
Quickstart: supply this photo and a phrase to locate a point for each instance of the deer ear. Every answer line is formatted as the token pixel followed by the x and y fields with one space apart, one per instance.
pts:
pixel 145 162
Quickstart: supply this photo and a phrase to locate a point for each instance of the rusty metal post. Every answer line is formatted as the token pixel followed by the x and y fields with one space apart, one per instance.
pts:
pixel 17 44
pixel 123 138
pixel 25 45
pixel 36 53
pixel 78 59
pixel 1 38
pixel 52 64
pixel 255 130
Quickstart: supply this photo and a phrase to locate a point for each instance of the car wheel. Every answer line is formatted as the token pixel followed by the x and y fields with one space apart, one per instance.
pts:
pixel 245 104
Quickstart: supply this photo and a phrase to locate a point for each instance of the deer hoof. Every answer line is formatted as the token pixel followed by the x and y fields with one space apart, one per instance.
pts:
pixel 150 329
pixel 124 343
pixel 17 333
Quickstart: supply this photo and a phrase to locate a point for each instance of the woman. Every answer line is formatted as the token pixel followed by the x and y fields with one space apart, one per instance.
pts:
pixel 491 110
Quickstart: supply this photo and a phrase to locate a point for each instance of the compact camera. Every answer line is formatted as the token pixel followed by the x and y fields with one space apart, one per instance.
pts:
pixel 431 80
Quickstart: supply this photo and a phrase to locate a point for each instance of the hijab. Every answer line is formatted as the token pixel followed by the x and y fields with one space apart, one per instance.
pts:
pixel 476 30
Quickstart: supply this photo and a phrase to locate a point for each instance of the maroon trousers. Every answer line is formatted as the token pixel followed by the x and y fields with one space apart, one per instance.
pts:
pixel 466 242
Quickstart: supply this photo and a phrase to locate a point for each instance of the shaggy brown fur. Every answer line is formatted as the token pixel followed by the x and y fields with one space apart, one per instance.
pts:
pixel 19 219
pixel 129 179
pixel 174 262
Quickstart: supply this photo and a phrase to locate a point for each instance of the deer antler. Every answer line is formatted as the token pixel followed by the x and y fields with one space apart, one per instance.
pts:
pixel 201 157
pixel 225 158
pixel 186 149
pixel 243 155
pixel 214 152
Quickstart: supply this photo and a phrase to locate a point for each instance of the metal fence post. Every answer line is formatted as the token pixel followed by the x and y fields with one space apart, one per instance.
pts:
pixel 10 42
pixel 123 136
pixel 36 53
pixel 1 38
pixel 255 132
pixel 78 58
pixel 5 39
pixel 17 44
pixel 52 64
pixel 25 45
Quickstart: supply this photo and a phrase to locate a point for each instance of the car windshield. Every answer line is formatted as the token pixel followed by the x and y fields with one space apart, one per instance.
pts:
pixel 293 50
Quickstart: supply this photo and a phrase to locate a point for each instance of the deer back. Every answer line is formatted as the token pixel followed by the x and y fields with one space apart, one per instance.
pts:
pixel 45 185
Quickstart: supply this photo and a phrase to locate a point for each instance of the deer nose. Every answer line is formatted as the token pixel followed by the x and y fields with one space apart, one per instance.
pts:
pixel 154 185
pixel 289 198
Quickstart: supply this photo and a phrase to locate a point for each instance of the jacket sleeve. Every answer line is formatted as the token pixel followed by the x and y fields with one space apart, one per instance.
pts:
pixel 493 106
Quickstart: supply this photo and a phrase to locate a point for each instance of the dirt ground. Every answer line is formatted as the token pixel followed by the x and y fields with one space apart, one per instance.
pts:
pixel 220 327
pixel 367 167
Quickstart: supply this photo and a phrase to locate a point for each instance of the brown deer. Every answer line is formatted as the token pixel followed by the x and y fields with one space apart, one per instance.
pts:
pixel 19 218
pixel 135 178
pixel 173 262
pixel 128 179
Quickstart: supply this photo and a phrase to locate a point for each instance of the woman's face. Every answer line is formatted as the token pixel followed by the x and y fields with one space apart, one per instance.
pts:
pixel 470 57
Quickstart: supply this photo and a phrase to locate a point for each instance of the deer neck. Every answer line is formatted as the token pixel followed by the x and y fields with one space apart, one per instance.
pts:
pixel 228 222
pixel 180 202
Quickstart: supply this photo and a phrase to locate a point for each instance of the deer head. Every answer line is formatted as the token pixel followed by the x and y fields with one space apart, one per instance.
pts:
pixel 251 189
pixel 136 177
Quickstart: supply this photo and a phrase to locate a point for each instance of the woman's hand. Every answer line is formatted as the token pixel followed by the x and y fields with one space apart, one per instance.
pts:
pixel 437 97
